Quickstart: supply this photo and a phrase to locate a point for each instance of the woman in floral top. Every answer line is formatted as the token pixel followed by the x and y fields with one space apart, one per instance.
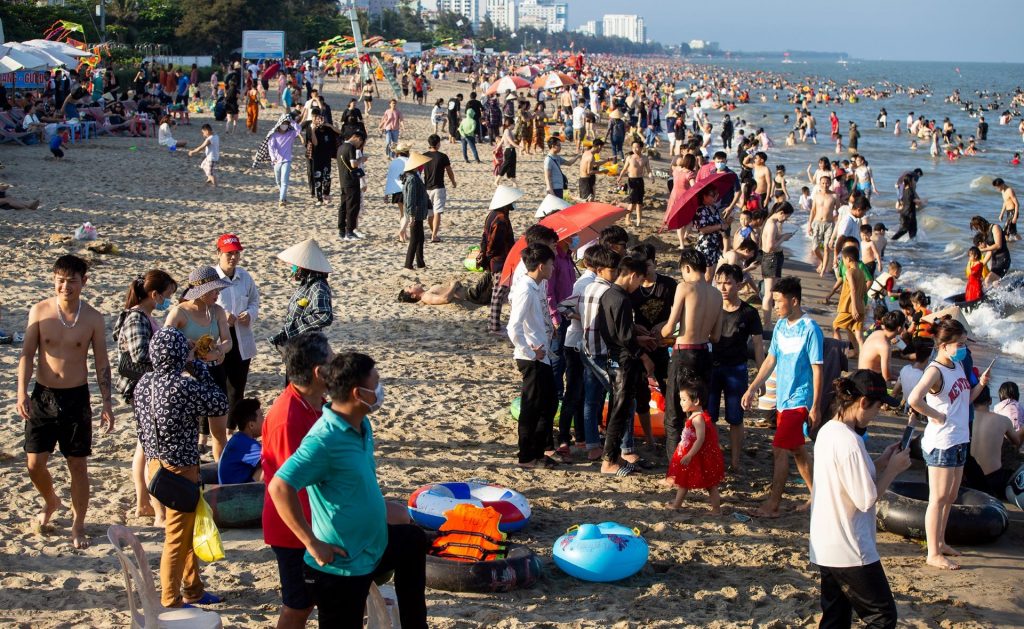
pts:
pixel 708 222
pixel 310 308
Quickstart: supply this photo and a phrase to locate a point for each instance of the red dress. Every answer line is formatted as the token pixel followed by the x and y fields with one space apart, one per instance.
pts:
pixel 707 468
pixel 973 292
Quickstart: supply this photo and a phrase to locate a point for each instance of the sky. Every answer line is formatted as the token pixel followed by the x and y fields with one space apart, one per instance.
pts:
pixel 913 30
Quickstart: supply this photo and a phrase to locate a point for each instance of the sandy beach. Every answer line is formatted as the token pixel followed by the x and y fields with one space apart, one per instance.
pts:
pixel 446 417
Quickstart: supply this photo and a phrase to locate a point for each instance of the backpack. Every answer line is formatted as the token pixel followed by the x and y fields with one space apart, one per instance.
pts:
pixel 220 110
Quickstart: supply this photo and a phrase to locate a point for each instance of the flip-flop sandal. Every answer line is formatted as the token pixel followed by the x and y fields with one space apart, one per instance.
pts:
pixel 207 599
pixel 625 470
pixel 549 463
pixel 643 463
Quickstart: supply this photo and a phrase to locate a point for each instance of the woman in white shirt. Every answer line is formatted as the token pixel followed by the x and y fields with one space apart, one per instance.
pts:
pixel 847 484
pixel 944 396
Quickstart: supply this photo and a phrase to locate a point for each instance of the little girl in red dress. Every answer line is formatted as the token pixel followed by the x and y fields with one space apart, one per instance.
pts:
pixel 975 270
pixel 697 462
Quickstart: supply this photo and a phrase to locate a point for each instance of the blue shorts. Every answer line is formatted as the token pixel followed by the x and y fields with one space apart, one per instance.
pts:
pixel 732 381
pixel 950 457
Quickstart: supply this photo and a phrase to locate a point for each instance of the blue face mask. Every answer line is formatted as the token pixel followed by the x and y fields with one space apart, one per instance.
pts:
pixel 719 166
pixel 959 354
pixel 161 305
pixel 574 243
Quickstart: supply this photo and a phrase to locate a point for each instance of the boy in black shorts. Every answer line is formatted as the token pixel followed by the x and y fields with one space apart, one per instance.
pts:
pixel 60 331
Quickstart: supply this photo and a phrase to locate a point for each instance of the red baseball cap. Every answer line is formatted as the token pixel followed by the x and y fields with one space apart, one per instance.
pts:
pixel 229 242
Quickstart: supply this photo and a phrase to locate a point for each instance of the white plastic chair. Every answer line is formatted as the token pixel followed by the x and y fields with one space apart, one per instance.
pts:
pixel 136 571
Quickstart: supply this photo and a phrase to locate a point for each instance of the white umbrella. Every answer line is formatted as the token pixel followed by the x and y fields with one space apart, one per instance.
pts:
pixel 51 58
pixel 13 59
pixel 59 46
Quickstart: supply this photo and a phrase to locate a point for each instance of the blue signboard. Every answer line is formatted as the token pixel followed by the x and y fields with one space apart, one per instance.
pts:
pixel 24 80
pixel 263 44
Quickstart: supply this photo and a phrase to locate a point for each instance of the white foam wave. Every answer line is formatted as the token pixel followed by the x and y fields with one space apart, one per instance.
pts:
pixel 983 182
pixel 954 250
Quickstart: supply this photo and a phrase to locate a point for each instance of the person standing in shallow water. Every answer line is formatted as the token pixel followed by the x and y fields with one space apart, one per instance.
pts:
pixel 57 413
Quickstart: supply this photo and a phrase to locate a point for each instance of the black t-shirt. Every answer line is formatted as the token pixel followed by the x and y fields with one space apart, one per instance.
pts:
pixel 653 305
pixel 347 154
pixel 737 327
pixel 434 170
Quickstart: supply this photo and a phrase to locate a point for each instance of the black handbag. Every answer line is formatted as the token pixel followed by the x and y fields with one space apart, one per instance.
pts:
pixel 174 491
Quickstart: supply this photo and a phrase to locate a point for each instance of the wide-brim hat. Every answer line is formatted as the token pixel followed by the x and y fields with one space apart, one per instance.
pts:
pixel 415 161
pixel 505 195
pixel 203 280
pixel 954 312
pixel 550 205
pixel 307 255
pixel 401 147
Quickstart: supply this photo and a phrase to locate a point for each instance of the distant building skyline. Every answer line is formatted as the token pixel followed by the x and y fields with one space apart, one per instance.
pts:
pixel 629 26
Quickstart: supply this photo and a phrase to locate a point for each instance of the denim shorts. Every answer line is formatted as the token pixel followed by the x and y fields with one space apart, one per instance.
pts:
pixel 950 457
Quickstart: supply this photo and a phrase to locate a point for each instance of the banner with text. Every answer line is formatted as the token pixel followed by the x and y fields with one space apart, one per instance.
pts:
pixel 24 80
pixel 263 44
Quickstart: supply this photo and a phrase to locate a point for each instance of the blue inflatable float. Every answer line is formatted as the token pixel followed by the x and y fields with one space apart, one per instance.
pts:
pixel 600 552
pixel 428 504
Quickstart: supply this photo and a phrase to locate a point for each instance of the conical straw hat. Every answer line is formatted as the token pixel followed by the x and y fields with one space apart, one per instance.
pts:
pixel 415 161
pixel 307 255
pixel 550 205
pixel 954 312
pixel 505 195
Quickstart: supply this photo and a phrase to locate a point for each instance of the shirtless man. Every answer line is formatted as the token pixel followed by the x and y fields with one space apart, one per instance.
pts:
pixel 697 310
pixel 60 332
pixel 1011 208
pixel 637 167
pixel 876 350
pixel 823 221
pixel 772 256
pixel 7 202
pixel 763 180
pixel 984 469
pixel 588 170
pixel 436 295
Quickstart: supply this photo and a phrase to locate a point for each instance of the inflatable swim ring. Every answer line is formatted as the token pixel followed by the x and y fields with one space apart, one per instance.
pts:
pixel 1015 488
pixel 470 260
pixel 428 504
pixel 520 568
pixel 513 409
pixel 657 410
pixel 976 517
pixel 600 552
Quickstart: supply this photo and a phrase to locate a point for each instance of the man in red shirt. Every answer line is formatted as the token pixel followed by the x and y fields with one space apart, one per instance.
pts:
pixel 290 417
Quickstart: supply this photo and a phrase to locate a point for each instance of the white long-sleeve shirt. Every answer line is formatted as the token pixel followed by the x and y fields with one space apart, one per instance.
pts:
pixel 241 296
pixel 529 323
pixel 574 336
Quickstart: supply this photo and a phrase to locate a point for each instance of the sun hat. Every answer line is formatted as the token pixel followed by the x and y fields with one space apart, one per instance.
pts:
pixel 307 255
pixel 954 312
pixel 229 242
pixel 203 280
pixel 550 205
pixel 871 385
pixel 401 147
pixel 415 161
pixel 505 195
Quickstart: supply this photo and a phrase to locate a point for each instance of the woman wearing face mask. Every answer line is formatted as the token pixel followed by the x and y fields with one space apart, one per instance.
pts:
pixel 944 396
pixel 310 308
pixel 847 484
pixel 279 145
pixel 133 329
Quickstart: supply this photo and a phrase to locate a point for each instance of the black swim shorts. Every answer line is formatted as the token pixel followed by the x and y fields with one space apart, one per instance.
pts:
pixel 290 565
pixel 771 265
pixel 636 190
pixel 587 187
pixel 59 417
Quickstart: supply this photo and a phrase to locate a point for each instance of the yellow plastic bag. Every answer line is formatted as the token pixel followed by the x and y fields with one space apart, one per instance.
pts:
pixel 205 537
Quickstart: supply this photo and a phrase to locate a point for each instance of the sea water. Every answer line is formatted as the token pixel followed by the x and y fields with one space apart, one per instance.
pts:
pixel 954 190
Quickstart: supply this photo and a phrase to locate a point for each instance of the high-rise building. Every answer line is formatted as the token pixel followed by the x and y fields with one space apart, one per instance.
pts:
pixel 594 28
pixel 504 14
pixel 466 8
pixel 629 26
pixel 548 15
pixel 376 7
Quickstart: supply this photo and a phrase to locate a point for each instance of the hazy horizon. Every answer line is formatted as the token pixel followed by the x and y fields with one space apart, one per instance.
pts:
pixel 870 29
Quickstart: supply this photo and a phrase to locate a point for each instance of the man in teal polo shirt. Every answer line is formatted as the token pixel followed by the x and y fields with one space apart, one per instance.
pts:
pixel 350 541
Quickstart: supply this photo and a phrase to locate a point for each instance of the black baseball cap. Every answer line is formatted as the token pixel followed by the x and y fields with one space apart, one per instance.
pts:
pixel 871 385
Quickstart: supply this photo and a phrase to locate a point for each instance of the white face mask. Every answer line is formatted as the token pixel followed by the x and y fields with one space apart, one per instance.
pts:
pixel 379 398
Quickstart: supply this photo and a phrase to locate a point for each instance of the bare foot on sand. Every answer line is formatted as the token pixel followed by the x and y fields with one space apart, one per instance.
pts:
pixel 942 563
pixel 949 550
pixel 802 508
pixel 767 511
pixel 78 538
pixel 667 482
pixel 42 520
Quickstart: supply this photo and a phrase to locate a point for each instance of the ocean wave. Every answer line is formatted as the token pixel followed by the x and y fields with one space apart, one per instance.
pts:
pixel 984 183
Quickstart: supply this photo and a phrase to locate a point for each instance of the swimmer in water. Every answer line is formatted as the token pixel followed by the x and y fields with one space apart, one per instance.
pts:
pixel 913 145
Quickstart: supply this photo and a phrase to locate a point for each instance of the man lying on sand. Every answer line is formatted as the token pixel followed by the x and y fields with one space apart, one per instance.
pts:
pixel 10 203
pixel 436 295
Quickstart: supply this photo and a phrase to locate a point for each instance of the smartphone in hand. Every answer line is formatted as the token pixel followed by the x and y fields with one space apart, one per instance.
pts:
pixel 908 435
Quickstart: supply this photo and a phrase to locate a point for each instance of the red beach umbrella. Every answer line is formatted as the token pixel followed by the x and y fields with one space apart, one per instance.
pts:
pixel 585 220
pixel 528 71
pixel 553 80
pixel 684 206
pixel 508 83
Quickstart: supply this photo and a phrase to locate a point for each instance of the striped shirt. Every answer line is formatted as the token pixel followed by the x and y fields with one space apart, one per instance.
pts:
pixel 593 344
